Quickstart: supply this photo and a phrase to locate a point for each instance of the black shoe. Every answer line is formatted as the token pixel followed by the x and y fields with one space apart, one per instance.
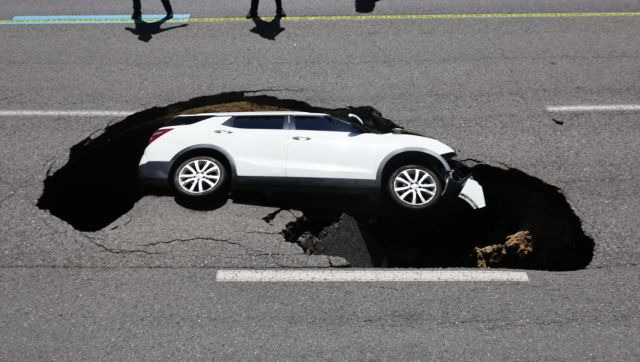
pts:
pixel 169 15
pixel 136 16
pixel 281 14
pixel 252 14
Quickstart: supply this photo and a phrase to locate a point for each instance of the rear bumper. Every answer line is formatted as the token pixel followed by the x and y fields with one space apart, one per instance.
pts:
pixel 154 174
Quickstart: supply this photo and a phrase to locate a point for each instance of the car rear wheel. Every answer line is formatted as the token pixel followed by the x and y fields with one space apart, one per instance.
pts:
pixel 414 187
pixel 200 177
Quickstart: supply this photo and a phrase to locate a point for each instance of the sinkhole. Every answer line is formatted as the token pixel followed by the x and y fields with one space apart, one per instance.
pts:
pixel 527 223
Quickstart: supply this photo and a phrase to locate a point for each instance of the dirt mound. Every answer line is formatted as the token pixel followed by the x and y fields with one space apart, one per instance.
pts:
pixel 241 106
pixel 514 252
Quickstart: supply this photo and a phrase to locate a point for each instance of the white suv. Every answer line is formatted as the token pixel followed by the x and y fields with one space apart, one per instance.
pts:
pixel 199 156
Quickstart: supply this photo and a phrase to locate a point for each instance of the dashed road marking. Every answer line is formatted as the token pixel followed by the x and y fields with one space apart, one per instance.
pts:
pixel 596 108
pixel 88 113
pixel 181 18
pixel 379 275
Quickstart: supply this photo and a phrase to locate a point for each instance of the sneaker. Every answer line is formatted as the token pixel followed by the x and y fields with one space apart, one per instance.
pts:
pixel 251 15
pixel 281 14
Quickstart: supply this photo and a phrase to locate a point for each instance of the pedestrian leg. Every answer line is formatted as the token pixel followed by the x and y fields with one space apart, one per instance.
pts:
pixel 167 8
pixel 253 11
pixel 279 10
pixel 137 13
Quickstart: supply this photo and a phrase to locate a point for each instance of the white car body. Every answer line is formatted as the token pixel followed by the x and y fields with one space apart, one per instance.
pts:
pixel 348 157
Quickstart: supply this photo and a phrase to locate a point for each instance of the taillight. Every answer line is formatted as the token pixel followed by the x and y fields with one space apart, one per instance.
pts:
pixel 159 133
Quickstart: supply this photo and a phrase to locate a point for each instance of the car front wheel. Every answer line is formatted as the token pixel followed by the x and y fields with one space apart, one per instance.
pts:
pixel 414 187
pixel 200 177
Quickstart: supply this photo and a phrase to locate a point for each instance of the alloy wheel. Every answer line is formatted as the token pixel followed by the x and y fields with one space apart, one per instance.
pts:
pixel 199 176
pixel 415 187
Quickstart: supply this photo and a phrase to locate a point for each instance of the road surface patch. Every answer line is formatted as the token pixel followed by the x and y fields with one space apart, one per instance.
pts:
pixel 324 275
pixel 181 18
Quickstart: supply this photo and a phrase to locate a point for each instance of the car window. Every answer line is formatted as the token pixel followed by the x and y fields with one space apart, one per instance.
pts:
pixel 257 122
pixel 315 123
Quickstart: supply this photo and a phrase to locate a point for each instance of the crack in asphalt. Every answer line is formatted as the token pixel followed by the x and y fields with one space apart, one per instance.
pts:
pixel 271 90
pixel 251 251
pixel 191 239
pixel 272 215
pixel 118 251
pixel 474 160
pixel 49 164
pixel 122 225
pixel 264 232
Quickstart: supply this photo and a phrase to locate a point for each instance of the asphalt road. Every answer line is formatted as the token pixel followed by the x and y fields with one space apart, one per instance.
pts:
pixel 144 286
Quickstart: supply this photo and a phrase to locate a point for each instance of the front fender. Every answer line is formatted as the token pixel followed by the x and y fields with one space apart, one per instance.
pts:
pixel 387 158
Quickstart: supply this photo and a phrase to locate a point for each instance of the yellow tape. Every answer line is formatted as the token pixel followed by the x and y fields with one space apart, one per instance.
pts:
pixel 432 16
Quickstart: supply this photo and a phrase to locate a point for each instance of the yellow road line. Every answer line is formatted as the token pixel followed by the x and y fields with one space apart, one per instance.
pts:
pixel 435 16
pixel 351 17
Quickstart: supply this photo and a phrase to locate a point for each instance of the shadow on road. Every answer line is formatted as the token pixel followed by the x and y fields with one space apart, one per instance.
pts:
pixel 146 30
pixel 365 6
pixel 267 29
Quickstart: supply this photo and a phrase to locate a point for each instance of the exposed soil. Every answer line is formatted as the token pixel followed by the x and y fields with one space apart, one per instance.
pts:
pixel 516 250
pixel 527 223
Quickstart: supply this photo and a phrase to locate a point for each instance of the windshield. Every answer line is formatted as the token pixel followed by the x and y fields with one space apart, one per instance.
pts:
pixel 362 128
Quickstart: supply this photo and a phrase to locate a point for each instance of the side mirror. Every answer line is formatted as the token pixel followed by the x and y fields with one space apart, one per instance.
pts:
pixel 351 115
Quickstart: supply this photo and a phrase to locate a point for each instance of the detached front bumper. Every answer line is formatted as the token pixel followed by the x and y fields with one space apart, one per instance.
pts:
pixel 466 188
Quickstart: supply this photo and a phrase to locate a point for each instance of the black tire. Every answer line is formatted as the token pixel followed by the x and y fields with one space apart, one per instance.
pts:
pixel 199 187
pixel 410 198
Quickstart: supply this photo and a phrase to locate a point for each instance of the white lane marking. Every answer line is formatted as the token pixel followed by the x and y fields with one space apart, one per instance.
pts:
pixel 88 113
pixel 595 108
pixel 392 275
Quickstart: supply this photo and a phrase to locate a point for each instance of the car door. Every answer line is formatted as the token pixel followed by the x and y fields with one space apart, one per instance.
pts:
pixel 257 144
pixel 327 147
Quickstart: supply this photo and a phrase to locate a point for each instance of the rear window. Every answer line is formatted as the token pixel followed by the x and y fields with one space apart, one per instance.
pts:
pixel 256 122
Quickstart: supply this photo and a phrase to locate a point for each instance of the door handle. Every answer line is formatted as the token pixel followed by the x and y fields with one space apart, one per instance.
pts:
pixel 299 138
pixel 222 131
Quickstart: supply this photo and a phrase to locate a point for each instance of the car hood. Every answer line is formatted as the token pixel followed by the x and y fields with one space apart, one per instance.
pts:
pixel 408 140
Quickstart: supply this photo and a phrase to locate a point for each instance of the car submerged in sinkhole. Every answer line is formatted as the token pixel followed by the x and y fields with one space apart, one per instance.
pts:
pixel 205 156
